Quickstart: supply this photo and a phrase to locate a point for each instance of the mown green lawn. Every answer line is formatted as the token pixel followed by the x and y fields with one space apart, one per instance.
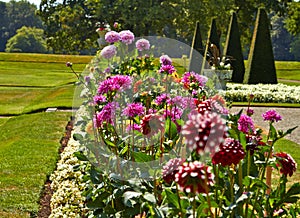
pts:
pixel 28 154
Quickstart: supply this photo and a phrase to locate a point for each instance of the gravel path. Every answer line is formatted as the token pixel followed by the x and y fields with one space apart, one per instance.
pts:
pixel 290 119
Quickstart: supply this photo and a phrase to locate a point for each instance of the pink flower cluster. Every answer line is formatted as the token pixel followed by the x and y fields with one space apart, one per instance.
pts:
pixel 106 115
pixel 114 84
pixel 246 124
pixel 272 116
pixel 142 44
pixel 134 109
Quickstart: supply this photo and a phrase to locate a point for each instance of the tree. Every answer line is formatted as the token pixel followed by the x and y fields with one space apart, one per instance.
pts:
pixel 71 23
pixel 27 39
pixel 233 50
pixel 281 39
pixel 261 64
pixel 292 23
pixel 14 15
pixel 295 47
pixel 197 50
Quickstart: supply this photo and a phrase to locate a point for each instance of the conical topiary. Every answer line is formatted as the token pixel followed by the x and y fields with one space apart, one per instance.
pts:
pixel 197 50
pixel 213 38
pixel 261 64
pixel 233 50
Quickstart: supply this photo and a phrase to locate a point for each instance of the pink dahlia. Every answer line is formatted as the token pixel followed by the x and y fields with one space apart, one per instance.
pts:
pixel 112 36
pixel 106 115
pixel 126 36
pixel 194 177
pixel 142 44
pixel 231 152
pixel 170 169
pixel 271 115
pixel 134 109
pixel 245 124
pixel 287 163
pixel 204 132
pixel 168 69
pixel 98 99
pixel 115 83
pixel 109 51
pixel 193 80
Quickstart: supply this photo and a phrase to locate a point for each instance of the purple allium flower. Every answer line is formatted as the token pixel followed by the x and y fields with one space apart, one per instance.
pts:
pixel 165 60
pixel 231 152
pixel 287 163
pixel 194 177
pixel 134 109
pixel 170 169
pixel 98 99
pixel 108 51
pixel 127 36
pixel 204 132
pixel 271 115
pixel 135 127
pixel 115 83
pixel 142 44
pixel 245 124
pixel 169 69
pixel 112 36
pixel 106 115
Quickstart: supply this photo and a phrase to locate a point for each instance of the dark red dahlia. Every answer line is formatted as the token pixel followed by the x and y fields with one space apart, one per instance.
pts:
pixel 204 133
pixel 194 177
pixel 287 163
pixel 211 105
pixel 151 124
pixel 170 169
pixel 231 152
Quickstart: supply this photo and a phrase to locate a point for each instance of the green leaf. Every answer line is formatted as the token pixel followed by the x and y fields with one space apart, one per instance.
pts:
pixel 78 137
pixel 172 198
pixel 294 190
pixel 141 157
pixel 273 132
pixel 80 156
pixel 129 198
pixel 170 129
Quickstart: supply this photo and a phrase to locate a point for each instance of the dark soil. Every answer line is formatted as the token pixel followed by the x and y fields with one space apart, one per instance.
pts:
pixel 47 192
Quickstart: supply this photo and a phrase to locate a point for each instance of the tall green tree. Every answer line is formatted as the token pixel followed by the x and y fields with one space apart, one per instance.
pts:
pixel 27 39
pixel 13 16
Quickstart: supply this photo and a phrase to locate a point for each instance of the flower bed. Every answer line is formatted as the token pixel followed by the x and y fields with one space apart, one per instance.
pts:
pixel 154 144
pixel 263 93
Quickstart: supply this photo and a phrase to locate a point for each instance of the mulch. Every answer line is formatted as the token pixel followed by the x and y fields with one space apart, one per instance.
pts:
pixel 45 210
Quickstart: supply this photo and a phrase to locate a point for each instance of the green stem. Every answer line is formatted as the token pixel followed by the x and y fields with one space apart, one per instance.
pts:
pixel 178 197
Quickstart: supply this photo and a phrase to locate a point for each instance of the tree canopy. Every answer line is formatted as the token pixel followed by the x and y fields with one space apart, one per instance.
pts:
pixel 27 39
pixel 70 24
pixel 14 15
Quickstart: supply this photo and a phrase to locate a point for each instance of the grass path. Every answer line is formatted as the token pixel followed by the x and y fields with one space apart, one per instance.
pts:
pixel 28 154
